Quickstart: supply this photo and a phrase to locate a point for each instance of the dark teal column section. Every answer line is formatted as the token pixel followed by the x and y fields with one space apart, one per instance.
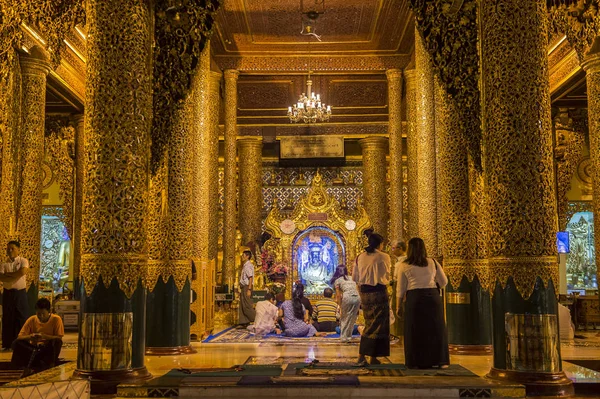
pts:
pixel 168 318
pixel 508 301
pixel 469 318
pixel 103 302
pixel 32 297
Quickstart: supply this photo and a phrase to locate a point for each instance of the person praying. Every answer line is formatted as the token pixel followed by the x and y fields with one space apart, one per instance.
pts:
pixel 266 317
pixel 40 340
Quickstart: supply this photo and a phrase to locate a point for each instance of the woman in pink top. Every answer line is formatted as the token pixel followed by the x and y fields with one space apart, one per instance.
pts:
pixel 425 335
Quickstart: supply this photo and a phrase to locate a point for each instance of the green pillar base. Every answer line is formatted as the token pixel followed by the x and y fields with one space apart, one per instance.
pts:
pixel 517 323
pixel 106 311
pixel 469 318
pixel 168 319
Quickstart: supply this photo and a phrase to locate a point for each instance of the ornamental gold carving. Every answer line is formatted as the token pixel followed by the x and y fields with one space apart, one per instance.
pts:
pixel 316 201
pixel 181 32
pixel 250 188
pixel 374 181
pixel 579 21
pixel 52 19
pixel 118 115
pixel 395 136
pixel 34 69
pixel 449 34
pixel 412 149
pixel 230 178
pixel 426 149
pixel 591 65
pixel 520 195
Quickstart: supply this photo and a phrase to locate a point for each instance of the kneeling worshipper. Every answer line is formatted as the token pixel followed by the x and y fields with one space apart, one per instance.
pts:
pixel 326 312
pixel 266 317
pixel 39 343
pixel 295 316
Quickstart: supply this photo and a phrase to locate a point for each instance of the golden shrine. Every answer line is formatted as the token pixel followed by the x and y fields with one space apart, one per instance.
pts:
pixel 316 236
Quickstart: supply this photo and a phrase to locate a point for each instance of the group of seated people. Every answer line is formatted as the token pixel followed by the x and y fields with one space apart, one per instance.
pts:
pixel 297 317
pixel 40 340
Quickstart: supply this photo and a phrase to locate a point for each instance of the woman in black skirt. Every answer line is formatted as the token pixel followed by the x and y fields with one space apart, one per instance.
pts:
pixel 425 335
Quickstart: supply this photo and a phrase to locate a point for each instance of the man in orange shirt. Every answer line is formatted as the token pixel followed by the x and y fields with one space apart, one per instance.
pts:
pixel 40 340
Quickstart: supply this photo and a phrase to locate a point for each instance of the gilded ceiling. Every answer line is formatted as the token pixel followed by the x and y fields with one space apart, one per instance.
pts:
pixel 260 27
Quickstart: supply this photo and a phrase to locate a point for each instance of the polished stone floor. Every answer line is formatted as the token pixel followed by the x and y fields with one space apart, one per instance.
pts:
pixel 225 355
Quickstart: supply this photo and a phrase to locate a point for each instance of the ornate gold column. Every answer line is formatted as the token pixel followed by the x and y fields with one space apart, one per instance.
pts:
pixel 250 186
pixel 78 199
pixel 374 190
pixel 394 77
pixel 468 310
pixel 213 187
pixel 10 117
pixel 520 193
pixel 426 154
pixel 34 69
pixel 114 225
pixel 410 77
pixel 230 178
pixel 591 65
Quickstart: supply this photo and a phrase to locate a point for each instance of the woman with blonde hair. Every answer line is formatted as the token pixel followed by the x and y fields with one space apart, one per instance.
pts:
pixel 425 335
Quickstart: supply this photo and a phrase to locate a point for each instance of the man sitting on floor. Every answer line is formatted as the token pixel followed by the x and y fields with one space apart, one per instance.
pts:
pixel 325 312
pixel 266 316
pixel 40 340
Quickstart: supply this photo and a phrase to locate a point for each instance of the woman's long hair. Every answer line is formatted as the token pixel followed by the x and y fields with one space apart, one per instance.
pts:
pixel 340 271
pixel 416 254
pixel 297 296
pixel 374 241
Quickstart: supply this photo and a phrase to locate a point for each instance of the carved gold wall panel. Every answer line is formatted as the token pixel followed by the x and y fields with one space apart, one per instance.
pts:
pixel 519 181
pixel 426 154
pixel 34 69
pixel 79 141
pixel 395 137
pixel 118 115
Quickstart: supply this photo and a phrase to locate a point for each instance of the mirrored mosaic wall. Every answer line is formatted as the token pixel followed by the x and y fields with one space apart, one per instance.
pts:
pixel 55 252
pixel 581 260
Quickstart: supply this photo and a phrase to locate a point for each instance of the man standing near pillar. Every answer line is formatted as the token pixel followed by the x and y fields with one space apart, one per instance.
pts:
pixel 14 299
pixel 246 309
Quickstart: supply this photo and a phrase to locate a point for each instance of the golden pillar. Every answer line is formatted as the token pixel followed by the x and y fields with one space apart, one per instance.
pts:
pixel 250 186
pixel 410 77
pixel 114 224
pixel 78 198
pixel 213 187
pixel 374 181
pixel 34 69
pixel 230 178
pixel 468 310
pixel 520 194
pixel 591 65
pixel 10 117
pixel 426 150
pixel 394 77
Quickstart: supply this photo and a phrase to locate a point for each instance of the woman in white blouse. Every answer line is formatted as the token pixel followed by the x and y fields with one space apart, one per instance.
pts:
pixel 425 335
pixel 372 275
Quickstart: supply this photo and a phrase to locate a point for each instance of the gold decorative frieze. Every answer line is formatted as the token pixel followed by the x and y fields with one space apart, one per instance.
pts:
pixel 129 270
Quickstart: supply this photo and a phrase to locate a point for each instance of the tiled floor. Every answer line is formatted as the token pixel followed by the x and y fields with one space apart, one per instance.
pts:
pixel 226 355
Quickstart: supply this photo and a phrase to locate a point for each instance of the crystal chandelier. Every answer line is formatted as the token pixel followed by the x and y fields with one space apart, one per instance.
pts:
pixel 309 108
